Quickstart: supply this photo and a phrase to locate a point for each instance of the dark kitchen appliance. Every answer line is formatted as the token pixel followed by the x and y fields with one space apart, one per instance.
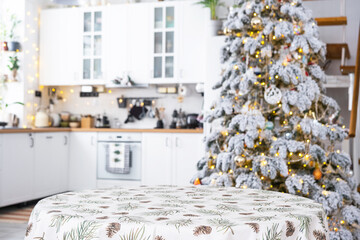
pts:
pixel 191 120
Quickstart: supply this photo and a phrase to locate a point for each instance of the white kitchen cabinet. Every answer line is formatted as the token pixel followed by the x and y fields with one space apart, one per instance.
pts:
pixel 82 160
pixel 164 34
pixel 51 163
pixel 16 168
pixel 170 158
pixel 60 47
pixel 116 41
pixel 188 150
pixel 153 43
pixel 157 159
pixel 139 42
pixel 92 47
pixel 192 43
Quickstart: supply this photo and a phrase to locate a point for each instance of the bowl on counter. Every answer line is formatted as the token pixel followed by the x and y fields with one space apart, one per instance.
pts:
pixel 64 124
pixel 74 124
pixel 65 116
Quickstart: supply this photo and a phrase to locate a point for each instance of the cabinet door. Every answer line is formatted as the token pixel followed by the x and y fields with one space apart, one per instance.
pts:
pixel 192 54
pixel 92 47
pixel 116 48
pixel 82 160
pixel 62 156
pixel 188 150
pixel 59 47
pixel 164 38
pixel 51 161
pixel 16 168
pixel 157 159
pixel 139 42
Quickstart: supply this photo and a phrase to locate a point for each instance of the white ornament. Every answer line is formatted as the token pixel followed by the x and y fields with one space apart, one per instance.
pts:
pixel 272 95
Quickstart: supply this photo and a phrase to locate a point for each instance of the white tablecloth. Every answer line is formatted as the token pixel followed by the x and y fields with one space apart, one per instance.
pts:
pixel 174 213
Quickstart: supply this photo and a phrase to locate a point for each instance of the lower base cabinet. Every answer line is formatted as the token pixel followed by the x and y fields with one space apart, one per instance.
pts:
pixel 16 168
pixel 51 163
pixel 82 161
pixel 36 165
pixel 170 158
pixel 32 166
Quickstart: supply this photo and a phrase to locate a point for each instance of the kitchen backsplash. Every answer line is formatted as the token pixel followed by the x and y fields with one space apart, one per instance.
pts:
pixel 107 103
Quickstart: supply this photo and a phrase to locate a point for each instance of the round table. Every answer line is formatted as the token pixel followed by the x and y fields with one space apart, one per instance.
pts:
pixel 174 213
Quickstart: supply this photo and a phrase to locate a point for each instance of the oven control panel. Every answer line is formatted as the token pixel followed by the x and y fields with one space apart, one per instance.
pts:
pixel 119 137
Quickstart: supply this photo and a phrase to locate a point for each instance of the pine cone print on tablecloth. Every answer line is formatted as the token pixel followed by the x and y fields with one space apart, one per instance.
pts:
pixel 290 228
pixel 28 229
pixel 319 235
pixel 254 226
pixel 159 238
pixel 112 229
pixel 202 230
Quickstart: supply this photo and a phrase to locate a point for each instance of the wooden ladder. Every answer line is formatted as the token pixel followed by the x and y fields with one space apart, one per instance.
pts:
pixel 354 109
pixel 340 51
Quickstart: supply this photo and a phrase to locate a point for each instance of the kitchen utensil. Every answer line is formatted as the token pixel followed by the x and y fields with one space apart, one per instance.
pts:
pixel 139 112
pixel 55 119
pixel 117 123
pixel 129 119
pixel 191 120
pixel 181 120
pixel 105 121
pixel 42 119
pixel 174 120
pixel 159 123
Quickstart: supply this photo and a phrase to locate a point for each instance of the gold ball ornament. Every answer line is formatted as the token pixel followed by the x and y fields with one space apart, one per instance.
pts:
pixel 256 23
pixel 317 174
pixel 239 160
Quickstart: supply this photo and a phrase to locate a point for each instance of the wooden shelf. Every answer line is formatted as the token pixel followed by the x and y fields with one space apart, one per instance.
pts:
pixel 334 50
pixel 346 70
pixel 331 21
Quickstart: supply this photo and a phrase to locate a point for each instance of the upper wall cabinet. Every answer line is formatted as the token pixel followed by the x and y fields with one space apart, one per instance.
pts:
pixel 116 51
pixel 60 38
pixel 153 43
pixel 164 37
pixel 92 38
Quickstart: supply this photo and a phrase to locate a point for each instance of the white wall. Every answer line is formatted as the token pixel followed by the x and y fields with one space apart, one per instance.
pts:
pixel 23 91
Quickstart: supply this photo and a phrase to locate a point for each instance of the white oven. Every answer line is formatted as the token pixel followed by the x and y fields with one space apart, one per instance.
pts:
pixel 119 156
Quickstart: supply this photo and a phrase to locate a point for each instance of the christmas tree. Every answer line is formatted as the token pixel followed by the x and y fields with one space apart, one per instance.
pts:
pixel 273 127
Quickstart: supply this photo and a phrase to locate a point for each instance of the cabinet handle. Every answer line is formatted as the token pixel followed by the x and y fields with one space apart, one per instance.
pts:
pixel 65 140
pixel 92 140
pixel 152 74
pixel 49 137
pixel 181 73
pixel 177 142
pixel 167 142
pixel 32 142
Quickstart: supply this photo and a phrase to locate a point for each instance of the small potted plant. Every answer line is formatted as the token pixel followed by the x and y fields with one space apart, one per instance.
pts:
pixel 13 66
pixel 13 44
pixel 215 23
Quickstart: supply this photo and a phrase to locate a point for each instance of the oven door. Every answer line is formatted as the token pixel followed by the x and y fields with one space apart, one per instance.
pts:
pixel 135 162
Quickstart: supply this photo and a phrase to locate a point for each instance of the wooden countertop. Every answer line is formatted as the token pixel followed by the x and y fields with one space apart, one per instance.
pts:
pixel 41 130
